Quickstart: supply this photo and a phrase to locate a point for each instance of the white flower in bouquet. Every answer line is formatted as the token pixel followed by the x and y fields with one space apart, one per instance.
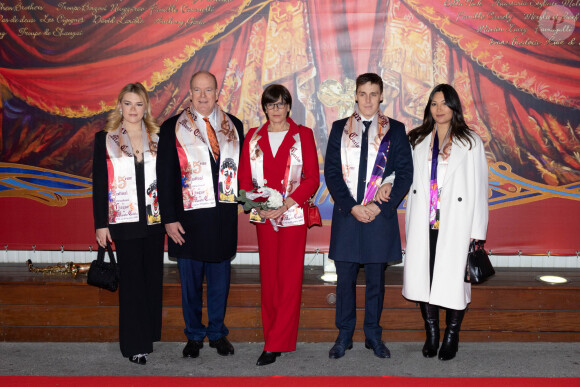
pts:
pixel 275 199
pixel 265 198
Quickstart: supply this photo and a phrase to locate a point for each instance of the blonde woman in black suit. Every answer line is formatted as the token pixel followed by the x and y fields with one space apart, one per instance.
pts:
pixel 126 212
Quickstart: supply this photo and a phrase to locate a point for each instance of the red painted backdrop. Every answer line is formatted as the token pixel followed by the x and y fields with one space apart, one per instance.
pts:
pixel 515 68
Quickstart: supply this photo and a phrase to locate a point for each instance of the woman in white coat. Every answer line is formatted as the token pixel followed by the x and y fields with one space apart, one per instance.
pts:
pixel 446 209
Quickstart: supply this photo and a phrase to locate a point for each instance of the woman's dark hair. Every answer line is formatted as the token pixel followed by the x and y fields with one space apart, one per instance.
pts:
pixel 271 95
pixel 458 127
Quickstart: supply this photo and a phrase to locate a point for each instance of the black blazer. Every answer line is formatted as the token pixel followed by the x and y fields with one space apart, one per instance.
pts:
pixel 211 234
pixel 101 197
pixel 380 240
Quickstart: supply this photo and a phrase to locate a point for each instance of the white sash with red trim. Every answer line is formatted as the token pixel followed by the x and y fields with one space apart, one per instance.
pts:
pixel 350 147
pixel 295 215
pixel 123 203
pixel 195 164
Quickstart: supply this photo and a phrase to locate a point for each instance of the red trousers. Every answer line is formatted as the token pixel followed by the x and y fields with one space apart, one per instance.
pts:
pixel 281 270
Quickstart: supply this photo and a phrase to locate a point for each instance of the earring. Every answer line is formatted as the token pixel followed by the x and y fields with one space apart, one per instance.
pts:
pixel 145 115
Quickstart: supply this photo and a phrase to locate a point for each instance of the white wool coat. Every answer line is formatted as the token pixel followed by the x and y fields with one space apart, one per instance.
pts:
pixel 463 215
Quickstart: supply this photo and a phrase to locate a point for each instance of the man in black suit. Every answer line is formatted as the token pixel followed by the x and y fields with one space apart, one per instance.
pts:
pixel 364 152
pixel 201 225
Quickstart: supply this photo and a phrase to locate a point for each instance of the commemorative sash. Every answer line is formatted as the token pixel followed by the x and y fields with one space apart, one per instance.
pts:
pixel 350 148
pixel 195 164
pixel 434 188
pixel 123 203
pixel 295 215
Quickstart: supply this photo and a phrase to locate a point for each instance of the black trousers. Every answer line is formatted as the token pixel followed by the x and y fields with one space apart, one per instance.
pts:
pixel 140 293
pixel 433 234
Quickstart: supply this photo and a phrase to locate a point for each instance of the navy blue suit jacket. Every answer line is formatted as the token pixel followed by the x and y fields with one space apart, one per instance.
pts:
pixel 378 241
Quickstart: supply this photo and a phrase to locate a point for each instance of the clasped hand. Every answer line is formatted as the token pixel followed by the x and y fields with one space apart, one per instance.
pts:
pixel 383 193
pixel 275 214
pixel 369 212
pixel 365 214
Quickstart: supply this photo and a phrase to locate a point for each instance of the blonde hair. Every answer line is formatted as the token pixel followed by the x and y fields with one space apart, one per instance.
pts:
pixel 115 118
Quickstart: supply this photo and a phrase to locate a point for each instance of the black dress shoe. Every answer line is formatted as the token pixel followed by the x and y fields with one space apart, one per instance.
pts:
pixel 223 346
pixel 139 359
pixel 338 349
pixel 379 348
pixel 267 358
pixel 192 348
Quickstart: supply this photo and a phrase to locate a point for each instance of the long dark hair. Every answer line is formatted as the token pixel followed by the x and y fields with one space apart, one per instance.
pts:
pixel 459 128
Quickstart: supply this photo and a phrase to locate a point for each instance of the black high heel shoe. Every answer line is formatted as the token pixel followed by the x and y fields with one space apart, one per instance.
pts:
pixel 267 358
pixel 139 359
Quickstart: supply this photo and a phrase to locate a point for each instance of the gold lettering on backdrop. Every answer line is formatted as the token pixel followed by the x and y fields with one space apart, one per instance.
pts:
pixel 126 10
pixel 46 19
pixel 98 19
pixel 67 19
pixel 155 9
pixel 26 32
pixel 553 23
pixel 170 20
pixel 20 7
pixel 185 9
pixel 191 21
pixel 86 7
pixel 61 32
pixel 494 42
pixel 130 20
pixel 16 19
pixel 485 29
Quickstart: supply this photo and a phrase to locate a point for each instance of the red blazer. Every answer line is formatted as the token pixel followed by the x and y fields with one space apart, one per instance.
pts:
pixel 275 167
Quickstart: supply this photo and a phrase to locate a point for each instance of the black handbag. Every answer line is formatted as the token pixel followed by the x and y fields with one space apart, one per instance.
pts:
pixel 104 274
pixel 478 267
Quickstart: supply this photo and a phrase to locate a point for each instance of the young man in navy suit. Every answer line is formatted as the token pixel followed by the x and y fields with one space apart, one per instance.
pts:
pixel 365 151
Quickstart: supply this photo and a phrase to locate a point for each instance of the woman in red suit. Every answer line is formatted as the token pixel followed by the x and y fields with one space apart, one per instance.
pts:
pixel 282 156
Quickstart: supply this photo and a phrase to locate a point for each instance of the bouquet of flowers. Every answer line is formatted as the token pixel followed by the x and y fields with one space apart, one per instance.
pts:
pixel 264 198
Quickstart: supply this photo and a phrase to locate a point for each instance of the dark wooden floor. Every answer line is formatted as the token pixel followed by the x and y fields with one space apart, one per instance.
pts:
pixel 512 306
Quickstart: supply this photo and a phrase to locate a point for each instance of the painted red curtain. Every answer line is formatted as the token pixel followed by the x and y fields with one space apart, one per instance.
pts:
pixel 82 77
pixel 523 100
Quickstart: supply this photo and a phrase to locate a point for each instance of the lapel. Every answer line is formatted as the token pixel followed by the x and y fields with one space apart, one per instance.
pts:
pixel 458 152
pixel 287 143
pixel 264 144
pixel 421 154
